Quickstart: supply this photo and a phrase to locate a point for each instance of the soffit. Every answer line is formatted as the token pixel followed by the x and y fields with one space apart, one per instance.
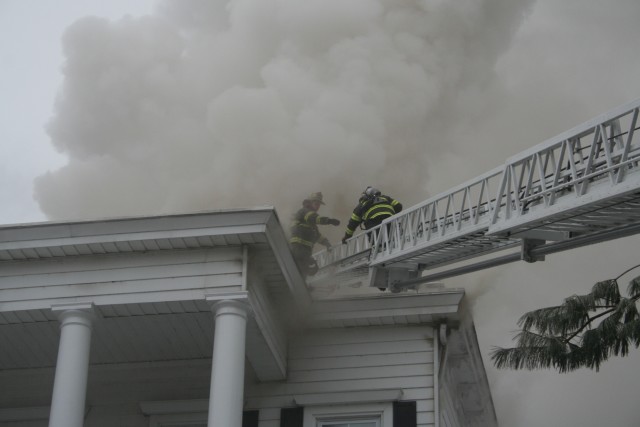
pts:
pixel 143 234
pixel 121 334
pixel 130 333
pixel 386 309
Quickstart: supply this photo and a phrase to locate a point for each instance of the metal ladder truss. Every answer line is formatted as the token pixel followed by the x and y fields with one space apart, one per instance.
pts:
pixel 581 187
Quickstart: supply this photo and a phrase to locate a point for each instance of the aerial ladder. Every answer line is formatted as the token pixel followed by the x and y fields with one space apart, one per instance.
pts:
pixel 578 188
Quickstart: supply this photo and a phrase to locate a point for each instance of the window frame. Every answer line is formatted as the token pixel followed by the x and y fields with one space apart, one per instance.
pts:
pixel 332 423
pixel 178 419
pixel 314 416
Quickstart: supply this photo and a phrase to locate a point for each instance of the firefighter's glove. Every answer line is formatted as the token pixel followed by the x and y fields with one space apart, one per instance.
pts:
pixel 333 221
pixel 344 239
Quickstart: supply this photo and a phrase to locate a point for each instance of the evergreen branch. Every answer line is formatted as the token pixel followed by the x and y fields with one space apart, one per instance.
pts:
pixel 634 288
pixel 564 337
pixel 631 332
pixel 591 319
pixel 627 271
pixel 606 291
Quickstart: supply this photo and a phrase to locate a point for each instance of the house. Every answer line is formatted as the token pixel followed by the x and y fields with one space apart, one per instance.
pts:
pixel 204 319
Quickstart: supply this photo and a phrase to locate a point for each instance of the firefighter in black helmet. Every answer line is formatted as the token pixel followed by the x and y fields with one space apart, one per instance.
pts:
pixel 373 207
pixel 305 233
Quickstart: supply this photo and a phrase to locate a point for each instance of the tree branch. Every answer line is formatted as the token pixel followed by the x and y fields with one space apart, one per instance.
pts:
pixel 625 272
pixel 589 321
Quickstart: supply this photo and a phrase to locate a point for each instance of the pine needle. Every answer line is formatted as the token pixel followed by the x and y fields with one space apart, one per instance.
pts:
pixel 582 332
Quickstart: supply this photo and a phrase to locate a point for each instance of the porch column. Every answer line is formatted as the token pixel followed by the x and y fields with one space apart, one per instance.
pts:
pixel 70 383
pixel 226 398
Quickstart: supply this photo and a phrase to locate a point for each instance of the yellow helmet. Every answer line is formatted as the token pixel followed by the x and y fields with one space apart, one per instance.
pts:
pixel 315 197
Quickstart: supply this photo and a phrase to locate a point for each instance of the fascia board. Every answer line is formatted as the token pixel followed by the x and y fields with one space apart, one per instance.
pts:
pixel 129 237
pixel 280 247
pixel 130 229
pixel 441 304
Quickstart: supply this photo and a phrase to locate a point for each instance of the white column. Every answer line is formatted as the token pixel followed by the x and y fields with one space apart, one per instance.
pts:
pixel 227 372
pixel 70 383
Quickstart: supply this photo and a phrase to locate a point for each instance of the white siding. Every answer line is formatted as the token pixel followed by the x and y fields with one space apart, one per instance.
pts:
pixel 321 362
pixel 349 360
pixel 115 278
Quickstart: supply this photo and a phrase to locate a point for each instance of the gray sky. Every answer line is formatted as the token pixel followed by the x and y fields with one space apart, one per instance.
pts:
pixel 31 58
pixel 195 106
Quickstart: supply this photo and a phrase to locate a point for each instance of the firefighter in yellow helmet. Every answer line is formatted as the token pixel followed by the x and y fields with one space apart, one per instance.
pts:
pixel 305 233
pixel 373 207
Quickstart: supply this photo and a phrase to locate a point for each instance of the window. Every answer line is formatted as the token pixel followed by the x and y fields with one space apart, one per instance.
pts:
pixel 369 415
pixel 370 422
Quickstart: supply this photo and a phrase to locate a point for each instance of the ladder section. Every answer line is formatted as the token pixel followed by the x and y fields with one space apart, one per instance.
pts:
pixel 582 183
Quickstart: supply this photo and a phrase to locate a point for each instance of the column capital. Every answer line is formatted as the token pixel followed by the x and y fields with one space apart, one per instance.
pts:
pixel 229 303
pixel 242 296
pixel 231 306
pixel 79 313
pixel 82 306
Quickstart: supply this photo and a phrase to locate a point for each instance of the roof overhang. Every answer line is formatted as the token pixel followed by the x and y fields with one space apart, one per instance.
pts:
pixel 387 309
pixel 240 227
pixel 126 267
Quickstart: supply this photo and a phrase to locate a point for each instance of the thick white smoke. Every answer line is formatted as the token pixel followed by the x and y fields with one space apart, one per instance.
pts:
pixel 212 104
pixel 208 105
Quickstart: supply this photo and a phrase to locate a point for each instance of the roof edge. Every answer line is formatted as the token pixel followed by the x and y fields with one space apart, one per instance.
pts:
pixel 130 227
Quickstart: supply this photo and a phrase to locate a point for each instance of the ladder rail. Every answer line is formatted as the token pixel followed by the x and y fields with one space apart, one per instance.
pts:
pixel 556 173
pixel 423 223
pixel 603 150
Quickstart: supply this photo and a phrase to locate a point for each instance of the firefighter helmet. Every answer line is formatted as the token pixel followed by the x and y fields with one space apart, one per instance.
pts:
pixel 371 192
pixel 315 197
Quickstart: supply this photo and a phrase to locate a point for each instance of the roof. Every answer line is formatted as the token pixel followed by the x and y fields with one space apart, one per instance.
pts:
pixel 37 259
pixel 258 228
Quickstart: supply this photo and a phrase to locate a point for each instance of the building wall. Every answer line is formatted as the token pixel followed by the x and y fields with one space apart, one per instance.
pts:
pixel 321 362
pixel 119 279
pixel 332 361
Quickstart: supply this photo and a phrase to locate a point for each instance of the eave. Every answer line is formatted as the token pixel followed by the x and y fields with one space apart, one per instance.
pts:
pixel 47 264
pixel 387 309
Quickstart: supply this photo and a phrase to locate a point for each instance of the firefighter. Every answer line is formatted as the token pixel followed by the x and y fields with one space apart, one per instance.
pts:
pixel 305 233
pixel 373 207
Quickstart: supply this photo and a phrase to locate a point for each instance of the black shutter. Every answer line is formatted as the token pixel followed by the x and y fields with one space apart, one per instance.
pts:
pixel 250 418
pixel 404 414
pixel 291 417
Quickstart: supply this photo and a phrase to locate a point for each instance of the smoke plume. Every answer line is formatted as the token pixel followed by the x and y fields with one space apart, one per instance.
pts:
pixel 207 105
